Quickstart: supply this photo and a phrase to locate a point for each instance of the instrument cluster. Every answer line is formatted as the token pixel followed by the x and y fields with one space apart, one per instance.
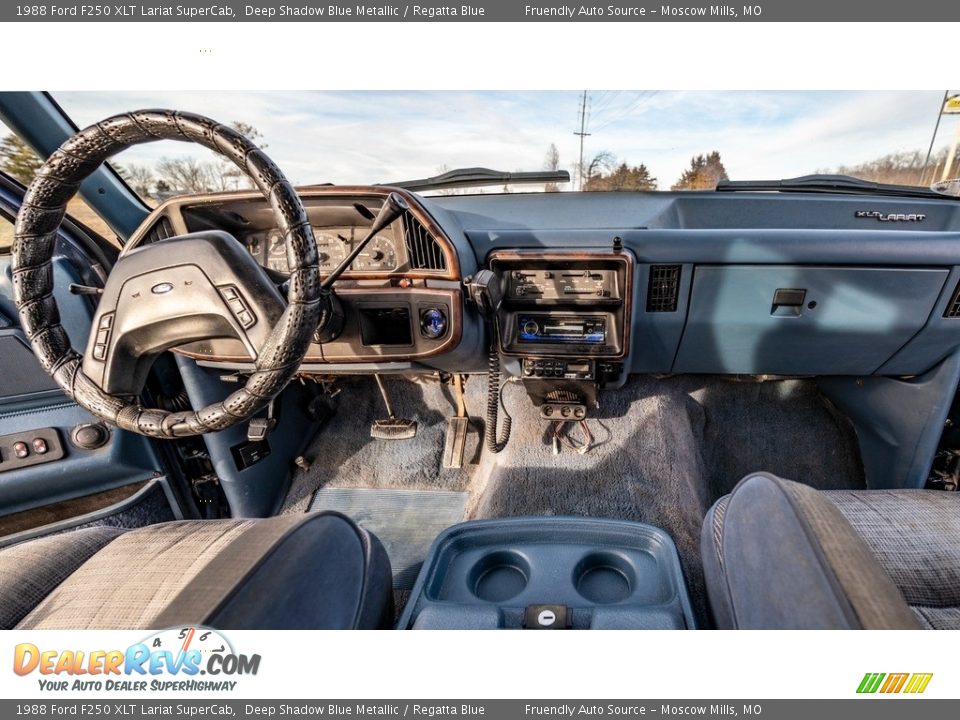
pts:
pixel 385 253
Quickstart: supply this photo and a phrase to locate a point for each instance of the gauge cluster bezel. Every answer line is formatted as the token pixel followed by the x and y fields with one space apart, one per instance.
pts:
pixel 246 212
pixel 334 243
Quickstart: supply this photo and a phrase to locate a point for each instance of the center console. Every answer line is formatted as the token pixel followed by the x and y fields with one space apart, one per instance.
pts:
pixel 566 317
pixel 550 573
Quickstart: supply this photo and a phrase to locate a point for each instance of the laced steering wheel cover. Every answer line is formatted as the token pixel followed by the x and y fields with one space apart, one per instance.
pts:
pixel 38 223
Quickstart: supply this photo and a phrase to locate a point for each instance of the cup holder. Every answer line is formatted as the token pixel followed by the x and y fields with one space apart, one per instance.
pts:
pixel 604 578
pixel 499 576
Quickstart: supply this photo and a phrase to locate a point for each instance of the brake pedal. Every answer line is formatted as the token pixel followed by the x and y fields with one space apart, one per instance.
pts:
pixel 391 428
pixel 457 427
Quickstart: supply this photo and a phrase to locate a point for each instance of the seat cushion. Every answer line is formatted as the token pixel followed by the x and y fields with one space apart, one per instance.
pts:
pixel 915 536
pixel 30 571
pixel 778 554
pixel 313 571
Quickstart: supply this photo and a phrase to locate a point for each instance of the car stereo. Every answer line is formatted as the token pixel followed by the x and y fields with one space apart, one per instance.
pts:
pixel 563 284
pixel 563 329
pixel 564 304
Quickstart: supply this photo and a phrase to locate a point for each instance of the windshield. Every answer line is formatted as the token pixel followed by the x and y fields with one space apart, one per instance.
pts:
pixel 607 140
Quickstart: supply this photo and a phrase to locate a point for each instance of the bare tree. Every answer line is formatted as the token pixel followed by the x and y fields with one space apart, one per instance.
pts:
pixel 551 162
pixel 232 177
pixel 900 168
pixel 189 175
pixel 603 161
pixel 141 179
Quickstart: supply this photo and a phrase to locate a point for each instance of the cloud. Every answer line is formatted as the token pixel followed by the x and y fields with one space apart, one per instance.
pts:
pixel 370 136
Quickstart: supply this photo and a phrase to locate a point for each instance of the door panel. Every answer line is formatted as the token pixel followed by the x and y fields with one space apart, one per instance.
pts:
pixel 33 407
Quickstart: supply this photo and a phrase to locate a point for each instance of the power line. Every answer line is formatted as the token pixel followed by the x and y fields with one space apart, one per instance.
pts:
pixel 602 104
pixel 582 134
pixel 645 95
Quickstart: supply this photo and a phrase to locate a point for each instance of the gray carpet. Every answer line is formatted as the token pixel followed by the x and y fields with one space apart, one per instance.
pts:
pixel 344 455
pixel 666 449
pixel 406 521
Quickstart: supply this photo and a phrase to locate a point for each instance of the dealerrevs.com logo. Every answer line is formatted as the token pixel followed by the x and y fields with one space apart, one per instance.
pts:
pixel 893 683
pixel 179 659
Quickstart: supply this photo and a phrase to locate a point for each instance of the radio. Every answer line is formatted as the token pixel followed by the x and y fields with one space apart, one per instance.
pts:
pixel 580 369
pixel 564 304
pixel 562 329
pixel 563 284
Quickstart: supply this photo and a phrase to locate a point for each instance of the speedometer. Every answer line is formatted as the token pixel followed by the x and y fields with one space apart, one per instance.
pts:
pixel 332 248
pixel 380 255
pixel 277 252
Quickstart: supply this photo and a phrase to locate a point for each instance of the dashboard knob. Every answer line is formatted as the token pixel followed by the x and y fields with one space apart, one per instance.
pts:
pixel 433 323
pixel 531 327
pixel 90 436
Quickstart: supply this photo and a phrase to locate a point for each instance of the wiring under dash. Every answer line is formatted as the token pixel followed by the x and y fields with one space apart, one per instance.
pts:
pixel 560 433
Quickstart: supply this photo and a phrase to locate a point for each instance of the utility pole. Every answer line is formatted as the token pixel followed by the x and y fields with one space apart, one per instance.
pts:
pixel 583 133
pixel 936 127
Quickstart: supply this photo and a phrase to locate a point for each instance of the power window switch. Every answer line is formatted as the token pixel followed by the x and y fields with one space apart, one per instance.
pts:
pixel 20 450
pixel 40 446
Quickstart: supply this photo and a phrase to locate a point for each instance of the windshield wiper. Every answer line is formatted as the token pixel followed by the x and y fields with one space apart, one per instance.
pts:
pixel 478 177
pixel 828 184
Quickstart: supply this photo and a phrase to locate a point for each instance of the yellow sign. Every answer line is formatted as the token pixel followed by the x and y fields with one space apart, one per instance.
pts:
pixel 952 105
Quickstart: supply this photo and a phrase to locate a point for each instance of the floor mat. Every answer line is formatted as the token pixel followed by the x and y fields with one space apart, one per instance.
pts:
pixel 344 455
pixel 406 521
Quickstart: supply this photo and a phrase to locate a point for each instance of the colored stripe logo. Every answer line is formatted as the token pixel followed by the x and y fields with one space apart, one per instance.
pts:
pixel 889 683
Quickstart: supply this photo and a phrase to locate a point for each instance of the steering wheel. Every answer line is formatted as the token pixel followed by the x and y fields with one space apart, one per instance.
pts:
pixel 174 291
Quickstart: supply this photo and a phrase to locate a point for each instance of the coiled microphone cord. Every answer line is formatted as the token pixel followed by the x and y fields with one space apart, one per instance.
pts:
pixel 495 441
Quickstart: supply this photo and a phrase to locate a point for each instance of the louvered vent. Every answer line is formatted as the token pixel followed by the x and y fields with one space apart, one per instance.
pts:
pixel 664 289
pixel 422 248
pixel 953 308
pixel 160 231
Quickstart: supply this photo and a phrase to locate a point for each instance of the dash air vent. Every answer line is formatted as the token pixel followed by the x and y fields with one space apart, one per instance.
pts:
pixel 953 307
pixel 161 230
pixel 422 248
pixel 663 291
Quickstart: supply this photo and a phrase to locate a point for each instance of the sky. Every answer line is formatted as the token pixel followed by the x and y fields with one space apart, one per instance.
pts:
pixel 372 136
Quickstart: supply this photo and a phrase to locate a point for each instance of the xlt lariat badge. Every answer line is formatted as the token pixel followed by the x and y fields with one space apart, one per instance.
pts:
pixel 889 217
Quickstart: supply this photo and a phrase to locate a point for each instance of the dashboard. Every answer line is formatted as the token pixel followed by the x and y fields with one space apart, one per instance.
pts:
pixel 589 288
pixel 607 284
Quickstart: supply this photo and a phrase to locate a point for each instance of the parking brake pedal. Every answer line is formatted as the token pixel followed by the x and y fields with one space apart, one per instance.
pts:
pixel 456 430
pixel 392 428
